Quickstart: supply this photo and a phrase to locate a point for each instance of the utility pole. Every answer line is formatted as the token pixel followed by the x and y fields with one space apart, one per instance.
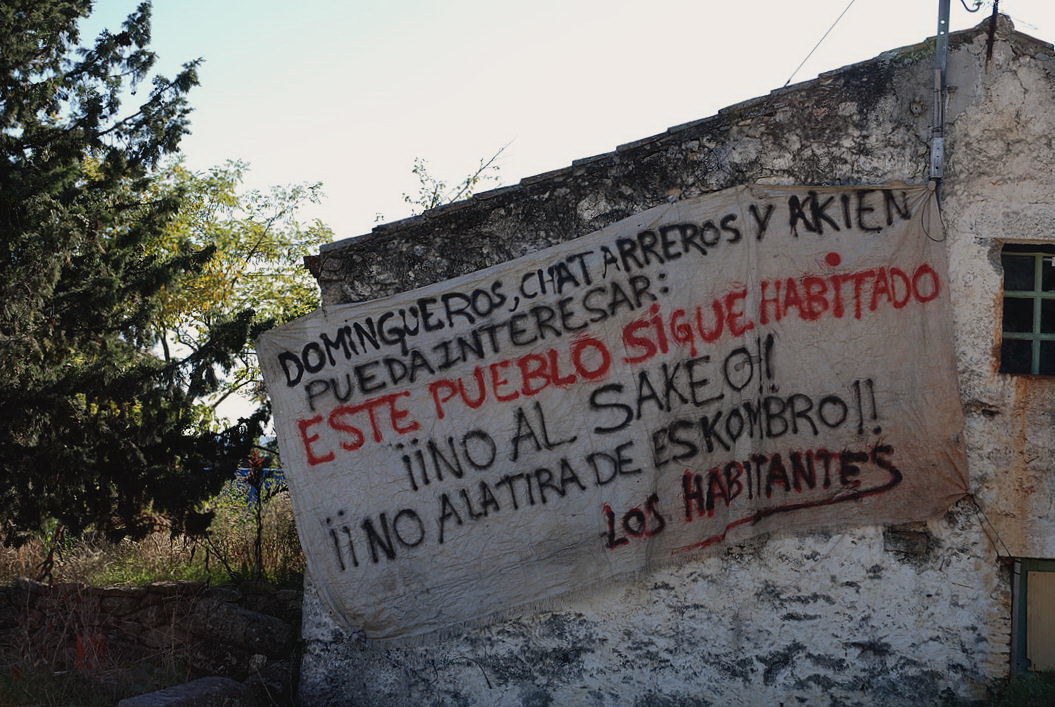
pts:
pixel 941 60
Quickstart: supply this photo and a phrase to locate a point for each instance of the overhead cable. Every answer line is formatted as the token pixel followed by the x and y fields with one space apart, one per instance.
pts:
pixel 820 41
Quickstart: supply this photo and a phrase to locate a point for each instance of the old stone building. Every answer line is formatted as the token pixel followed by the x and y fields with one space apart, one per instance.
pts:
pixel 886 615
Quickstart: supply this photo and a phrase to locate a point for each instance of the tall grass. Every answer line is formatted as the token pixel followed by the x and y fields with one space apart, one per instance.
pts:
pixel 228 553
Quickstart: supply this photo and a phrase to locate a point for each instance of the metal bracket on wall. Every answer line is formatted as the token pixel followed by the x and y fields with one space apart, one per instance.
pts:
pixel 941 60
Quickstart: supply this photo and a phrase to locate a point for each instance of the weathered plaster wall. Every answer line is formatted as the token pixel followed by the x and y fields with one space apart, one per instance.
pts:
pixel 1001 188
pixel 901 615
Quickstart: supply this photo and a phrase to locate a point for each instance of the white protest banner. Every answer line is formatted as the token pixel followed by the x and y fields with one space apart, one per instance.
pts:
pixel 755 359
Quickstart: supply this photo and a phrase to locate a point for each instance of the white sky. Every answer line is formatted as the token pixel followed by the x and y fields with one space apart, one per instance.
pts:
pixel 349 92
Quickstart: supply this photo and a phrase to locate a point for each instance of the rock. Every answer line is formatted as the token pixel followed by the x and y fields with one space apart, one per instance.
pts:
pixel 136 592
pixel 66 589
pixel 120 601
pixel 119 606
pixel 205 692
pixel 250 587
pixel 156 615
pixel 31 586
pixel 175 588
pixel 287 595
pixel 11 610
pixel 273 685
pixel 226 593
pixel 209 656
pixel 262 597
pixel 236 625
pixel 164 637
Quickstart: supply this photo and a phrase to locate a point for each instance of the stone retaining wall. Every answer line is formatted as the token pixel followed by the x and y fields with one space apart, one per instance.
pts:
pixel 245 632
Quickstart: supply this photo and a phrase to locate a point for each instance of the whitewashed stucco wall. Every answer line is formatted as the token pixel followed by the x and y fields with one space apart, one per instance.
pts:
pixel 1001 188
pixel 906 615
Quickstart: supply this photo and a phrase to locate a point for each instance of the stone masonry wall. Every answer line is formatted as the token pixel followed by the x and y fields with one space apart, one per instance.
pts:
pixel 244 632
pixel 901 615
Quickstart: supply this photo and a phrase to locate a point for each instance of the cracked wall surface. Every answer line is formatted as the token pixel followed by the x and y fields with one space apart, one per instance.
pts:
pixel 903 615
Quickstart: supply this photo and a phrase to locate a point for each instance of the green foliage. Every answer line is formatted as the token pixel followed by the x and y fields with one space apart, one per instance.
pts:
pixel 256 541
pixel 433 192
pixel 257 243
pixel 96 430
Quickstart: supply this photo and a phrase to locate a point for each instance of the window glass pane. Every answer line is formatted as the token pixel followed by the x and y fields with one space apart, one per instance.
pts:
pixel 1015 355
pixel 1018 271
pixel 1047 274
pixel 1047 316
pixel 1018 314
pixel 1047 358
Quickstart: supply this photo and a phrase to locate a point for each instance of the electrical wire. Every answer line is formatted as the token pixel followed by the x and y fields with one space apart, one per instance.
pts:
pixel 941 218
pixel 977 5
pixel 820 41
pixel 982 514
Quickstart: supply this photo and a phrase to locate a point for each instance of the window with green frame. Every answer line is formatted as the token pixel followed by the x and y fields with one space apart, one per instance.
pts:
pixel 1028 342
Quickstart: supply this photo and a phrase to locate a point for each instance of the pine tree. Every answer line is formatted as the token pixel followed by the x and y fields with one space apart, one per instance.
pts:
pixel 96 431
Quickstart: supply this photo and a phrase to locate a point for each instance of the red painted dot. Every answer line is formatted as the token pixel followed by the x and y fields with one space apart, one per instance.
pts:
pixel 833 259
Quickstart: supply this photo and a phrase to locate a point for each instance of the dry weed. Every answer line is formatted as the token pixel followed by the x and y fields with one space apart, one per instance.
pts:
pixel 226 555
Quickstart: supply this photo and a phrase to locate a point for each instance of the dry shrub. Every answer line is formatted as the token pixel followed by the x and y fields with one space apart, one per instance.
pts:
pixel 21 561
pixel 226 554
pixel 233 535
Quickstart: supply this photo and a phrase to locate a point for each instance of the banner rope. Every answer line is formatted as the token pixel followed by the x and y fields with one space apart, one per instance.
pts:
pixel 979 511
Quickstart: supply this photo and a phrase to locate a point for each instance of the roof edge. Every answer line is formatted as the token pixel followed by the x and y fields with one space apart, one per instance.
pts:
pixel 1005 29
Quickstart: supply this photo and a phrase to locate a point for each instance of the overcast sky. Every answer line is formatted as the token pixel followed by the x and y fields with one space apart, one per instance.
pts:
pixel 350 92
